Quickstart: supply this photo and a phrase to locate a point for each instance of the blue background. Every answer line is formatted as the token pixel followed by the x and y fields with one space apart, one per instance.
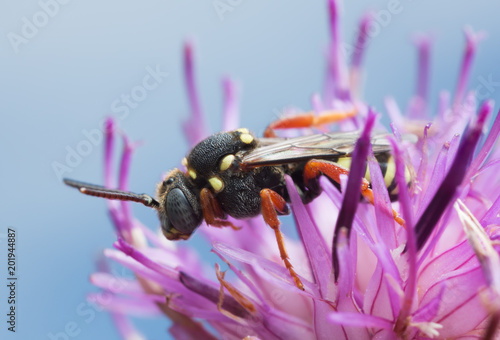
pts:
pixel 66 77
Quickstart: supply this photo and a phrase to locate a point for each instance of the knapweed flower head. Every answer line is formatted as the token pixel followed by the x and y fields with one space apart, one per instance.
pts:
pixel 437 275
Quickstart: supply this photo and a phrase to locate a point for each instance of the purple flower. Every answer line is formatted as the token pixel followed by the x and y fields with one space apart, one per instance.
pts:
pixel 438 276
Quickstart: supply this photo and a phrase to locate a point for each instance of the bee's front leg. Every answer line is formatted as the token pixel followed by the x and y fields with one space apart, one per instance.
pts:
pixel 212 212
pixel 307 119
pixel 272 203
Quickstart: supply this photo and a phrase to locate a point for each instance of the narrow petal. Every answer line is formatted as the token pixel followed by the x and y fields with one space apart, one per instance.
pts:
pixel 359 320
pixel 317 102
pixel 109 179
pixel 491 139
pixel 380 299
pixel 491 213
pixel 452 259
pixel 384 229
pixel 126 225
pixel 351 196
pixel 335 85
pixel 357 54
pixel 443 105
pixel 436 177
pixel 423 168
pixel 423 70
pixel 394 112
pixel 316 249
pixel 471 41
pixel 483 247
pixel 461 309
pixel 211 293
pixel 139 257
pixel 361 40
pixel 345 302
pixel 231 120
pixel 429 311
pixel 109 135
pixel 453 179
pixel 277 270
pixel 114 303
pixel 417 108
pixel 406 207
pixel 194 127
pixel 116 284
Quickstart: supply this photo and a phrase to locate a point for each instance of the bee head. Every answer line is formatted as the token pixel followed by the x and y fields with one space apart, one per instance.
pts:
pixel 179 208
pixel 177 202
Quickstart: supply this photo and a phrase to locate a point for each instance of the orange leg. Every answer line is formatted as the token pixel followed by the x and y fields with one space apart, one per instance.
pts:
pixel 315 167
pixel 212 212
pixel 271 203
pixel 307 119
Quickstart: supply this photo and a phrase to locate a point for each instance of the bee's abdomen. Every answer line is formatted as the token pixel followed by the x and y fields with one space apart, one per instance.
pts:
pixel 388 168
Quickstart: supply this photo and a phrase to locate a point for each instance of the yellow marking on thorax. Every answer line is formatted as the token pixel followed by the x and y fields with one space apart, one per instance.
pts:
pixel 192 173
pixel 246 138
pixel 216 183
pixel 226 162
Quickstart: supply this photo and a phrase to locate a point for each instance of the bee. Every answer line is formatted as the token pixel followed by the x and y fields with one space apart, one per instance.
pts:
pixel 234 173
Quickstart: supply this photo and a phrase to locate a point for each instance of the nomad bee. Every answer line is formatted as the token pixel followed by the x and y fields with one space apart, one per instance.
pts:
pixel 233 173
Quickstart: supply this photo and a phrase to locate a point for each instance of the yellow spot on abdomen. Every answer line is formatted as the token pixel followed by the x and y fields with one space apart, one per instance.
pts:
pixel 345 162
pixel 390 173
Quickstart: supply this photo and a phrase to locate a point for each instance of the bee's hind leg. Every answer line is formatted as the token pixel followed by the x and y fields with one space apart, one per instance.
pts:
pixel 307 119
pixel 315 167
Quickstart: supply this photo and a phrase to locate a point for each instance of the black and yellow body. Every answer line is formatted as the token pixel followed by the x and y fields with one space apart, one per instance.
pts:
pixel 235 166
pixel 233 173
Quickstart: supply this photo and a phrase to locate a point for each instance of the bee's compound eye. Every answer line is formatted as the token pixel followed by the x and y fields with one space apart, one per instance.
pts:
pixel 180 213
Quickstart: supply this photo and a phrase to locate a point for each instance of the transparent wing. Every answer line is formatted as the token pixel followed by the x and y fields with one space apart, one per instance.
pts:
pixel 274 151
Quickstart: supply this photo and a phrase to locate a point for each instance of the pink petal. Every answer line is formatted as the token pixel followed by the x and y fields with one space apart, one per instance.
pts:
pixel 277 270
pixel 406 207
pixel 231 111
pixel 316 249
pixel 109 132
pixel 379 300
pixel 335 84
pixel 423 44
pixel 114 303
pixel 345 302
pixel 470 50
pixel 461 309
pixel 428 312
pixel 488 144
pixel 359 320
pixel 457 257
pixel 351 196
pixel 194 127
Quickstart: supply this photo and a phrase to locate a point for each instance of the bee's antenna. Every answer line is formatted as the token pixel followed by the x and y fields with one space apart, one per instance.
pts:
pixel 99 191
